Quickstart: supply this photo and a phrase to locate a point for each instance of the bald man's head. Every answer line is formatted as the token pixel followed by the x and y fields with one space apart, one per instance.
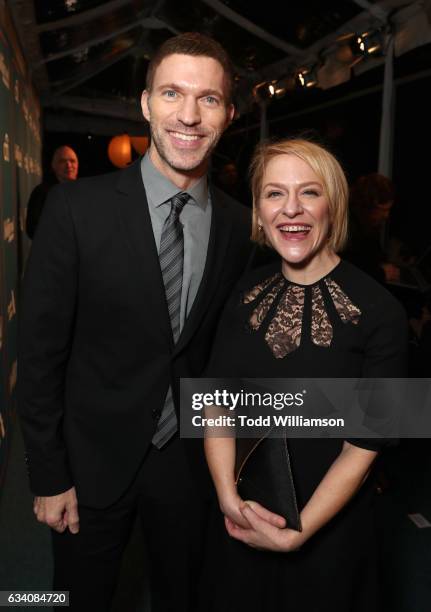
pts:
pixel 65 164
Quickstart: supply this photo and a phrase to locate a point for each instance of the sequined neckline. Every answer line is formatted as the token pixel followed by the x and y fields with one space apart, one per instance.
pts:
pixel 284 331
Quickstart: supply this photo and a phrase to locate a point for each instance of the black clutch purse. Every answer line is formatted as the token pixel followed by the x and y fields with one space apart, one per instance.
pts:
pixel 263 473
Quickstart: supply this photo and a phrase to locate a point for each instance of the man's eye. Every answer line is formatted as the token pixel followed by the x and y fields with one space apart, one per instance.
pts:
pixel 211 100
pixel 170 93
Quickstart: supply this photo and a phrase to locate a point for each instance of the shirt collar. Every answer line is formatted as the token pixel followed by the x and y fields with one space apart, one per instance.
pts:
pixel 159 189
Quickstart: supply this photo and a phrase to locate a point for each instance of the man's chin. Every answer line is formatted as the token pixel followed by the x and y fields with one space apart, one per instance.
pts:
pixel 187 165
pixel 181 160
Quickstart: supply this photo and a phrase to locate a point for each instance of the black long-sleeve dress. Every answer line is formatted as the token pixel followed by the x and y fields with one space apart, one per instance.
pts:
pixel 345 325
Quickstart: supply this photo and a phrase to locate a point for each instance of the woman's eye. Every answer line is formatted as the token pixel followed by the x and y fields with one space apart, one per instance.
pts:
pixel 312 192
pixel 273 194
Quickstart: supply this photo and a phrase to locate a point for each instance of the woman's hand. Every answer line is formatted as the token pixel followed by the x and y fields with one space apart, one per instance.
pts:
pixel 230 505
pixel 233 509
pixel 220 454
pixel 340 483
pixel 265 530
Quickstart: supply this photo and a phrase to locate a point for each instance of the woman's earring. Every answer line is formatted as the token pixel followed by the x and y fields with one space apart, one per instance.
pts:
pixel 260 227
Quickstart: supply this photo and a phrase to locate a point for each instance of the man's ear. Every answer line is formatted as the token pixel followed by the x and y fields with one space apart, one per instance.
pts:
pixel 230 114
pixel 144 105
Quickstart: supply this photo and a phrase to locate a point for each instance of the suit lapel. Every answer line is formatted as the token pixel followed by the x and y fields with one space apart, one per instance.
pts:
pixel 220 236
pixel 136 221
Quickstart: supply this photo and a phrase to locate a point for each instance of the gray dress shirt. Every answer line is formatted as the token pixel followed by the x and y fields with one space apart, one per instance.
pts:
pixel 196 221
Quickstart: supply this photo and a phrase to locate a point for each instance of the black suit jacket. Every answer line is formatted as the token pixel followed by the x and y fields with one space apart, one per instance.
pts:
pixel 96 349
pixel 35 206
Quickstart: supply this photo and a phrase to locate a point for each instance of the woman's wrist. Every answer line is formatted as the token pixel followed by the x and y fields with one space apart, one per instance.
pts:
pixel 226 487
pixel 293 540
pixel 228 496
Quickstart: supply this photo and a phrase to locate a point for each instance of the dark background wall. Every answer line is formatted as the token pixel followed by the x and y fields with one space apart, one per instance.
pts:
pixel 20 171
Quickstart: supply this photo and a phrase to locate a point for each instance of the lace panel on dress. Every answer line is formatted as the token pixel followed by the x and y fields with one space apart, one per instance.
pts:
pixel 284 332
pixel 257 290
pixel 261 310
pixel 347 311
pixel 321 328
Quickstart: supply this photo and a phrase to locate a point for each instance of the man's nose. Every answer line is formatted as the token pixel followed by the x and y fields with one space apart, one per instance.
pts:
pixel 189 111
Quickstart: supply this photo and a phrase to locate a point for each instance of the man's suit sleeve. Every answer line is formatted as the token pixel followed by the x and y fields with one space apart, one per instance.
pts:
pixel 45 336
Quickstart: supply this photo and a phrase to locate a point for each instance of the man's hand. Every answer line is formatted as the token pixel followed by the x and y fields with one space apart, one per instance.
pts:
pixel 58 511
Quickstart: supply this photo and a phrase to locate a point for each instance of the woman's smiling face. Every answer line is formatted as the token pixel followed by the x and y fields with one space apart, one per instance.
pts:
pixel 293 210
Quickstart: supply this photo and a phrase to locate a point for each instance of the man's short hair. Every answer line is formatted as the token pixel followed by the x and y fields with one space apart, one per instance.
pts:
pixel 195 44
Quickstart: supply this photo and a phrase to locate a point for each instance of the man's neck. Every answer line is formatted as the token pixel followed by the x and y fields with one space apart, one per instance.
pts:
pixel 183 179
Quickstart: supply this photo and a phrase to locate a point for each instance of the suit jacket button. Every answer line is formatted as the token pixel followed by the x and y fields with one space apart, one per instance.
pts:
pixel 156 413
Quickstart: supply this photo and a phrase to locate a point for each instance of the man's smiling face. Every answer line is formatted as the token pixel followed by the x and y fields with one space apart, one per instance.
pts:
pixel 188 112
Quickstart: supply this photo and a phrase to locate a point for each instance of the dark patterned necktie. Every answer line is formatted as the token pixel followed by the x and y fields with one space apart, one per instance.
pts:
pixel 171 258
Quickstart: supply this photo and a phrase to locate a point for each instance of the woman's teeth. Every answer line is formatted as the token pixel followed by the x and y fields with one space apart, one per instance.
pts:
pixel 295 228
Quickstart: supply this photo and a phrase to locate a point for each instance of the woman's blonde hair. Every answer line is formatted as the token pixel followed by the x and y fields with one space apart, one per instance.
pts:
pixel 324 165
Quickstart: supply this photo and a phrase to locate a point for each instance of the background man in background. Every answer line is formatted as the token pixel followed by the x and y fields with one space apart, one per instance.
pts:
pixel 64 166
pixel 125 283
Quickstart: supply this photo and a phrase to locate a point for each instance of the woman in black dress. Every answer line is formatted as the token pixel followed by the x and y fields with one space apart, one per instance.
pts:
pixel 309 314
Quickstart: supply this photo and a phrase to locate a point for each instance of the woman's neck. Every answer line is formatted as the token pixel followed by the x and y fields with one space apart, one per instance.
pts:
pixel 307 273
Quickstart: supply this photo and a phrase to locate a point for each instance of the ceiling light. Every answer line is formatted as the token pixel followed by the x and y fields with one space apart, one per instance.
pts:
pixel 368 43
pixel 306 77
pixel 264 91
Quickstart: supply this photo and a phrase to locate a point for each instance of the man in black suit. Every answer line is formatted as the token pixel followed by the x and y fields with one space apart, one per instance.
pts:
pixel 64 166
pixel 104 339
